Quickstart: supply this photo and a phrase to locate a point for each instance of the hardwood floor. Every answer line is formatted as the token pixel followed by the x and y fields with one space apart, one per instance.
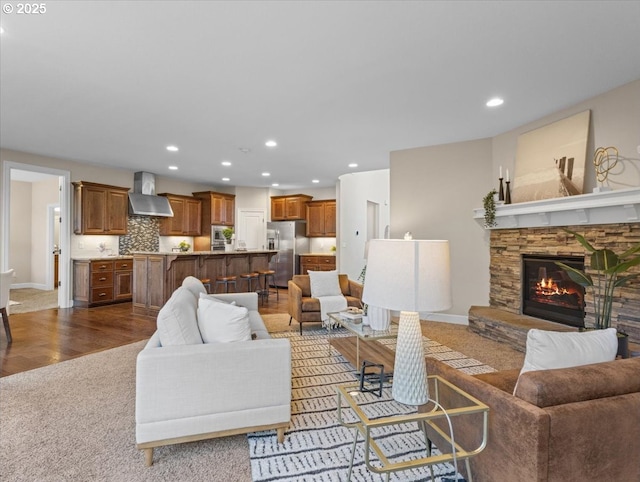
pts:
pixel 42 338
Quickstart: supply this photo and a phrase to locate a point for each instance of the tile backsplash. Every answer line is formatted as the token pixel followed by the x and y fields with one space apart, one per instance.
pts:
pixel 142 235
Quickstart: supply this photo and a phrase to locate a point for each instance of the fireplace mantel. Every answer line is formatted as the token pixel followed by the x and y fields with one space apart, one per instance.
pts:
pixel 620 206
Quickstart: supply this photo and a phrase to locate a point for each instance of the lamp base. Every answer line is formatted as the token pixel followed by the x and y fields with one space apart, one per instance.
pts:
pixel 410 371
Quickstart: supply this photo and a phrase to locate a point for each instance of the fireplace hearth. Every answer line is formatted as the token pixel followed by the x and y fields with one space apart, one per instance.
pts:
pixel 549 293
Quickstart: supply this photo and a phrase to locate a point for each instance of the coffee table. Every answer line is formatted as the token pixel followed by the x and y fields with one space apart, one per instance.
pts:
pixel 362 331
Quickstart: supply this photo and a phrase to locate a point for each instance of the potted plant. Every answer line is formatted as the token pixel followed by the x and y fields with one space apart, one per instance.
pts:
pixel 489 205
pixel 228 235
pixel 609 267
pixel 184 246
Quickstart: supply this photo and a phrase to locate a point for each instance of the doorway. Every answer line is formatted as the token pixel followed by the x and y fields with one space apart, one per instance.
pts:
pixel 251 228
pixel 33 192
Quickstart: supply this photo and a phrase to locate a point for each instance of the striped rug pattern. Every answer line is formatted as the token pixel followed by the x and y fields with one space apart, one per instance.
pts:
pixel 317 447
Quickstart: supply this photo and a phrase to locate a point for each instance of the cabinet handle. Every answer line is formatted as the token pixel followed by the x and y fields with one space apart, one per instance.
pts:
pixel 124 265
pixel 102 294
pixel 103 267
pixel 102 279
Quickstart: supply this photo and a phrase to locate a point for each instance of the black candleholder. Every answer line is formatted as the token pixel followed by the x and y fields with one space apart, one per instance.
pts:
pixel 507 195
pixel 501 191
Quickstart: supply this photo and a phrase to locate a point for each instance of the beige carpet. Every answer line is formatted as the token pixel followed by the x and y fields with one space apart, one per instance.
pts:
pixel 30 299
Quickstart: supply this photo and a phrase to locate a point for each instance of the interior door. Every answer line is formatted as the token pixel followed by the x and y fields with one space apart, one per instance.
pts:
pixel 251 228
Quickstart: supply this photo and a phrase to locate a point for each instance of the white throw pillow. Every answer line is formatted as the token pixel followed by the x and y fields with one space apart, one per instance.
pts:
pixel 177 322
pixel 324 283
pixel 222 322
pixel 551 349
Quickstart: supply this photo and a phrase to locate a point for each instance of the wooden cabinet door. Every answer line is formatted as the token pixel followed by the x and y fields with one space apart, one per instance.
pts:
pixel 123 285
pixel 293 208
pixel 174 226
pixel 229 208
pixel 93 210
pixel 277 209
pixel 192 223
pixel 117 211
pixel 217 209
pixel 330 219
pixel 315 219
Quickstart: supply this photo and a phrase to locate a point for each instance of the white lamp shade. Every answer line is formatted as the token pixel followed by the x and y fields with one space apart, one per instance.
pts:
pixel 410 275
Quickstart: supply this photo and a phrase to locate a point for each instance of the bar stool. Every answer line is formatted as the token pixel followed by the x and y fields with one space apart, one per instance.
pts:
pixel 268 275
pixel 206 282
pixel 250 277
pixel 226 281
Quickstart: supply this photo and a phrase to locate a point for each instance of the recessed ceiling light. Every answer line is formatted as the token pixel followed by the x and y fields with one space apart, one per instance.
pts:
pixel 495 102
pixel 271 143
pixel 226 163
pixel 173 168
pixel 266 174
pixel 225 179
pixel 353 164
pixel 275 184
pixel 172 148
pixel 315 181
pixel 1 30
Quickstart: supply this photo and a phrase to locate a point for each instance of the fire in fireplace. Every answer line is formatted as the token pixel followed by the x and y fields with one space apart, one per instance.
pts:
pixel 549 293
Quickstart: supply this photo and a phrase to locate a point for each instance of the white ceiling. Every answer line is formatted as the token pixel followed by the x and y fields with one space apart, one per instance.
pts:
pixel 113 83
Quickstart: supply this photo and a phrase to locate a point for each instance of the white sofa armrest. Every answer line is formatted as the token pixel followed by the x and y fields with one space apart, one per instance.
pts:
pixel 248 300
pixel 177 382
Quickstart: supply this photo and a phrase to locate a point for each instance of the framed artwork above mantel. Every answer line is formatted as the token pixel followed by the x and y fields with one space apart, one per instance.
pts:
pixel 551 160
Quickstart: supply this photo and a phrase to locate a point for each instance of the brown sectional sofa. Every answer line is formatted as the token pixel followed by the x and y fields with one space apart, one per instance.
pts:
pixel 302 307
pixel 572 424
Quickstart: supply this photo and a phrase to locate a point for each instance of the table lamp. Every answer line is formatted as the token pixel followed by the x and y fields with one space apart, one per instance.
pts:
pixel 409 276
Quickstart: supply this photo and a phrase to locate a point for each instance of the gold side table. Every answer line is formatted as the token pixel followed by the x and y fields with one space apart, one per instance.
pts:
pixel 438 398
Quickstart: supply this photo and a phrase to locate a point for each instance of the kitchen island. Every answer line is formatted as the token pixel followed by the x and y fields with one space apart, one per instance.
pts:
pixel 157 275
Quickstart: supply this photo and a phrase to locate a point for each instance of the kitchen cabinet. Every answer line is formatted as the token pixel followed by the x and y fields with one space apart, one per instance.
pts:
pixel 317 262
pixel 100 209
pixel 102 281
pixel 289 208
pixel 321 218
pixel 187 216
pixel 217 208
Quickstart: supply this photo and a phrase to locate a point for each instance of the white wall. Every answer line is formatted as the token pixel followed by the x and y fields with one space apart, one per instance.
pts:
pixel 354 191
pixel 20 236
pixel 433 193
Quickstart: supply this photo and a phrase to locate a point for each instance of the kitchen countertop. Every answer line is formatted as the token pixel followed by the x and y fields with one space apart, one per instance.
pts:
pixel 101 258
pixel 206 253
pixel 317 254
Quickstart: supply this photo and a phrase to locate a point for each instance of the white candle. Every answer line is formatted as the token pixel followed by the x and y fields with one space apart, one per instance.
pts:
pixel 507 175
pixel 500 172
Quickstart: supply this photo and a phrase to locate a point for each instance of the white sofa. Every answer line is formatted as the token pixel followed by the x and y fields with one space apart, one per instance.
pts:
pixel 196 391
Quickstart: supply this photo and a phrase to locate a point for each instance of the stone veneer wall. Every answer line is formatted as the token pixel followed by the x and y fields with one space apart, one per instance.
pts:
pixel 507 246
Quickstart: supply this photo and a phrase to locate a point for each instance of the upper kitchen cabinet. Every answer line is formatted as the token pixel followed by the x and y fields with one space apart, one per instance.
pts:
pixel 321 219
pixel 186 220
pixel 99 209
pixel 217 208
pixel 289 208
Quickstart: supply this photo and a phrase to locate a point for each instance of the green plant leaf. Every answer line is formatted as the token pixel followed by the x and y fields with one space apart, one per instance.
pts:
pixel 582 241
pixel 625 279
pixel 604 260
pixel 577 276
pixel 630 251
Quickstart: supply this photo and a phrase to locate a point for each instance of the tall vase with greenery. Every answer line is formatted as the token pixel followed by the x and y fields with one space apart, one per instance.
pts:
pixel 609 267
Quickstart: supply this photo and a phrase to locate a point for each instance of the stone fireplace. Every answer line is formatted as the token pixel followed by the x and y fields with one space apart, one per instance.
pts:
pixel 508 246
pixel 549 293
pixel 536 230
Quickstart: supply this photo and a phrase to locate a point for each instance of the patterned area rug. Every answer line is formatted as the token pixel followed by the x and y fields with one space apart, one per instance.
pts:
pixel 316 446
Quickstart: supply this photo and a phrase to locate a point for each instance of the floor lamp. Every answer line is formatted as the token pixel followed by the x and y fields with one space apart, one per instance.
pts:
pixel 409 276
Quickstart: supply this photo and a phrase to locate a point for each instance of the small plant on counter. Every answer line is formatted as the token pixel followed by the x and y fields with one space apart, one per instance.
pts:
pixel 489 205
pixel 227 233
pixel 333 249
pixel 184 246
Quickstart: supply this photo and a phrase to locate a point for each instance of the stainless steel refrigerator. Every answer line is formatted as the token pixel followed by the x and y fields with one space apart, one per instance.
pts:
pixel 289 239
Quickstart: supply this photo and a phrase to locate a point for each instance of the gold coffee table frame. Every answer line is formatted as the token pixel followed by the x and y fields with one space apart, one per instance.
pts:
pixel 364 426
pixel 362 332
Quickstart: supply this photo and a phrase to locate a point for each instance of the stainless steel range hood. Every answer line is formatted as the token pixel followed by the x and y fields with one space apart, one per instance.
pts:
pixel 143 200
